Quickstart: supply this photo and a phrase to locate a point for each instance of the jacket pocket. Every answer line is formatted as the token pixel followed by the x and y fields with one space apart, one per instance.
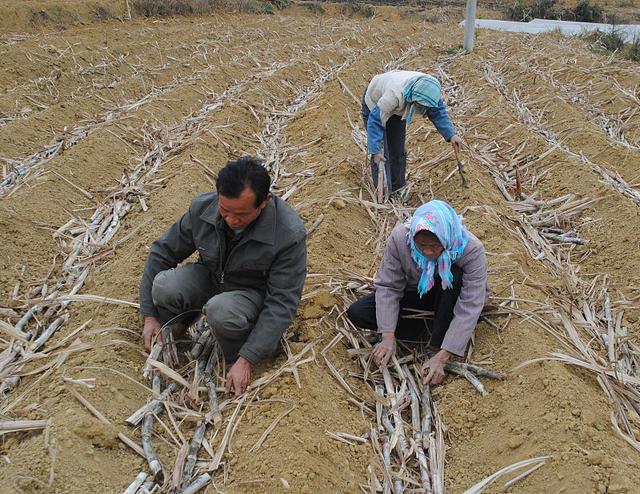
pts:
pixel 209 257
pixel 254 266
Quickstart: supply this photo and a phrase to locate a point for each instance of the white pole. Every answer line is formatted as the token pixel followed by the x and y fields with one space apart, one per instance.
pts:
pixel 470 25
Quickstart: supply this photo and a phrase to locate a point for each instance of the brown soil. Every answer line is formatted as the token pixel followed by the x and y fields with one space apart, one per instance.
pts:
pixel 545 409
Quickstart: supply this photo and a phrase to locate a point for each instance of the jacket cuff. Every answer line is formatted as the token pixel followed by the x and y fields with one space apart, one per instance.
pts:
pixel 449 136
pixel 454 349
pixel 250 355
pixel 149 311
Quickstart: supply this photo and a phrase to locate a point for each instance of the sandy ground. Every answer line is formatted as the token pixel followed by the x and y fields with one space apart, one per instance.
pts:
pixel 151 76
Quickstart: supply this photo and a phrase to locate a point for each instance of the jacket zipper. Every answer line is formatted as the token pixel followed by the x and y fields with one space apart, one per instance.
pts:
pixel 242 241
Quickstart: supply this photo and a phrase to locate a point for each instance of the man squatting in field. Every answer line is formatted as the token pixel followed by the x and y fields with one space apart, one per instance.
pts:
pixel 388 105
pixel 433 263
pixel 249 275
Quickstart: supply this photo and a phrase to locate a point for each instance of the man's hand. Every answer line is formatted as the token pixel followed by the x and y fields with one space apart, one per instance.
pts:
pixel 239 376
pixel 456 143
pixel 150 330
pixel 377 158
pixel 385 350
pixel 436 368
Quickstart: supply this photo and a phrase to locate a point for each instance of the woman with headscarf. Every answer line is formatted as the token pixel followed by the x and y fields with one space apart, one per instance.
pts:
pixel 388 105
pixel 433 263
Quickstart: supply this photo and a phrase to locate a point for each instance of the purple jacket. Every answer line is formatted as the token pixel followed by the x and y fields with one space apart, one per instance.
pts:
pixel 399 273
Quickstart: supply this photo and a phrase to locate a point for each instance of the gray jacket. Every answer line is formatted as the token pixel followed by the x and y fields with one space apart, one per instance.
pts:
pixel 399 273
pixel 271 257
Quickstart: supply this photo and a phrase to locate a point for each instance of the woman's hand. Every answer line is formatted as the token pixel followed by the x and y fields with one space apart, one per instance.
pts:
pixel 435 366
pixel 385 350
pixel 456 143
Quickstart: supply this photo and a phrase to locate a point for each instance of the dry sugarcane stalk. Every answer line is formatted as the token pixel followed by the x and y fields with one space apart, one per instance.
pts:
pixel 194 447
pixel 148 487
pixel 46 334
pixel 475 369
pixel 177 476
pixel 7 426
pixel 395 413
pixel 137 482
pixel 381 181
pixel 152 459
pixel 88 382
pixel 469 376
pixel 451 366
pixel 315 224
pixel 194 390
pixel 460 164
pixel 27 317
pixel 214 413
pixel 215 463
pixel 416 443
pixel 436 457
pixel 169 349
pixel 154 355
pixel 197 484
pixel 154 406
pixel 386 459
pixel 346 437
pixel 475 382
pixel 427 416
pixel 199 345
pixel 85 193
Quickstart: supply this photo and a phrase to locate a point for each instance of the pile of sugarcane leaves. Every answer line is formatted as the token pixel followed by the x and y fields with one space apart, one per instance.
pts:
pixel 410 451
pixel 180 399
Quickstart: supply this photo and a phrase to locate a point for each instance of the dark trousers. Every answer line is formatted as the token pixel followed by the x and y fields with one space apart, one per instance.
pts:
pixel 394 150
pixel 192 288
pixel 362 313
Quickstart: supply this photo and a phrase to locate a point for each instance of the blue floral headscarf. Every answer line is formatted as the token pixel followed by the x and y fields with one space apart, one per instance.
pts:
pixel 439 218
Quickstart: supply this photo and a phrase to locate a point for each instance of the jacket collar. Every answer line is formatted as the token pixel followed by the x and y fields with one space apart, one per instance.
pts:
pixel 263 229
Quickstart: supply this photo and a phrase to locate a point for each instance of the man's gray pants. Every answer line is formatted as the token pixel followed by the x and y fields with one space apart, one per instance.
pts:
pixel 180 293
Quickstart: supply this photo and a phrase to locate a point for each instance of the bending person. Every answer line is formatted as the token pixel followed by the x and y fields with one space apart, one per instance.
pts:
pixel 388 106
pixel 248 279
pixel 430 263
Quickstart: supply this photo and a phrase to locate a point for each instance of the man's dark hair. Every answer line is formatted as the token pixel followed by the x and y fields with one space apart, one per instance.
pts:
pixel 241 173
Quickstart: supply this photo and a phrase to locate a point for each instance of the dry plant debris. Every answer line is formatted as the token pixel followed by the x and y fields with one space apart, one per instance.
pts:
pixel 169 102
